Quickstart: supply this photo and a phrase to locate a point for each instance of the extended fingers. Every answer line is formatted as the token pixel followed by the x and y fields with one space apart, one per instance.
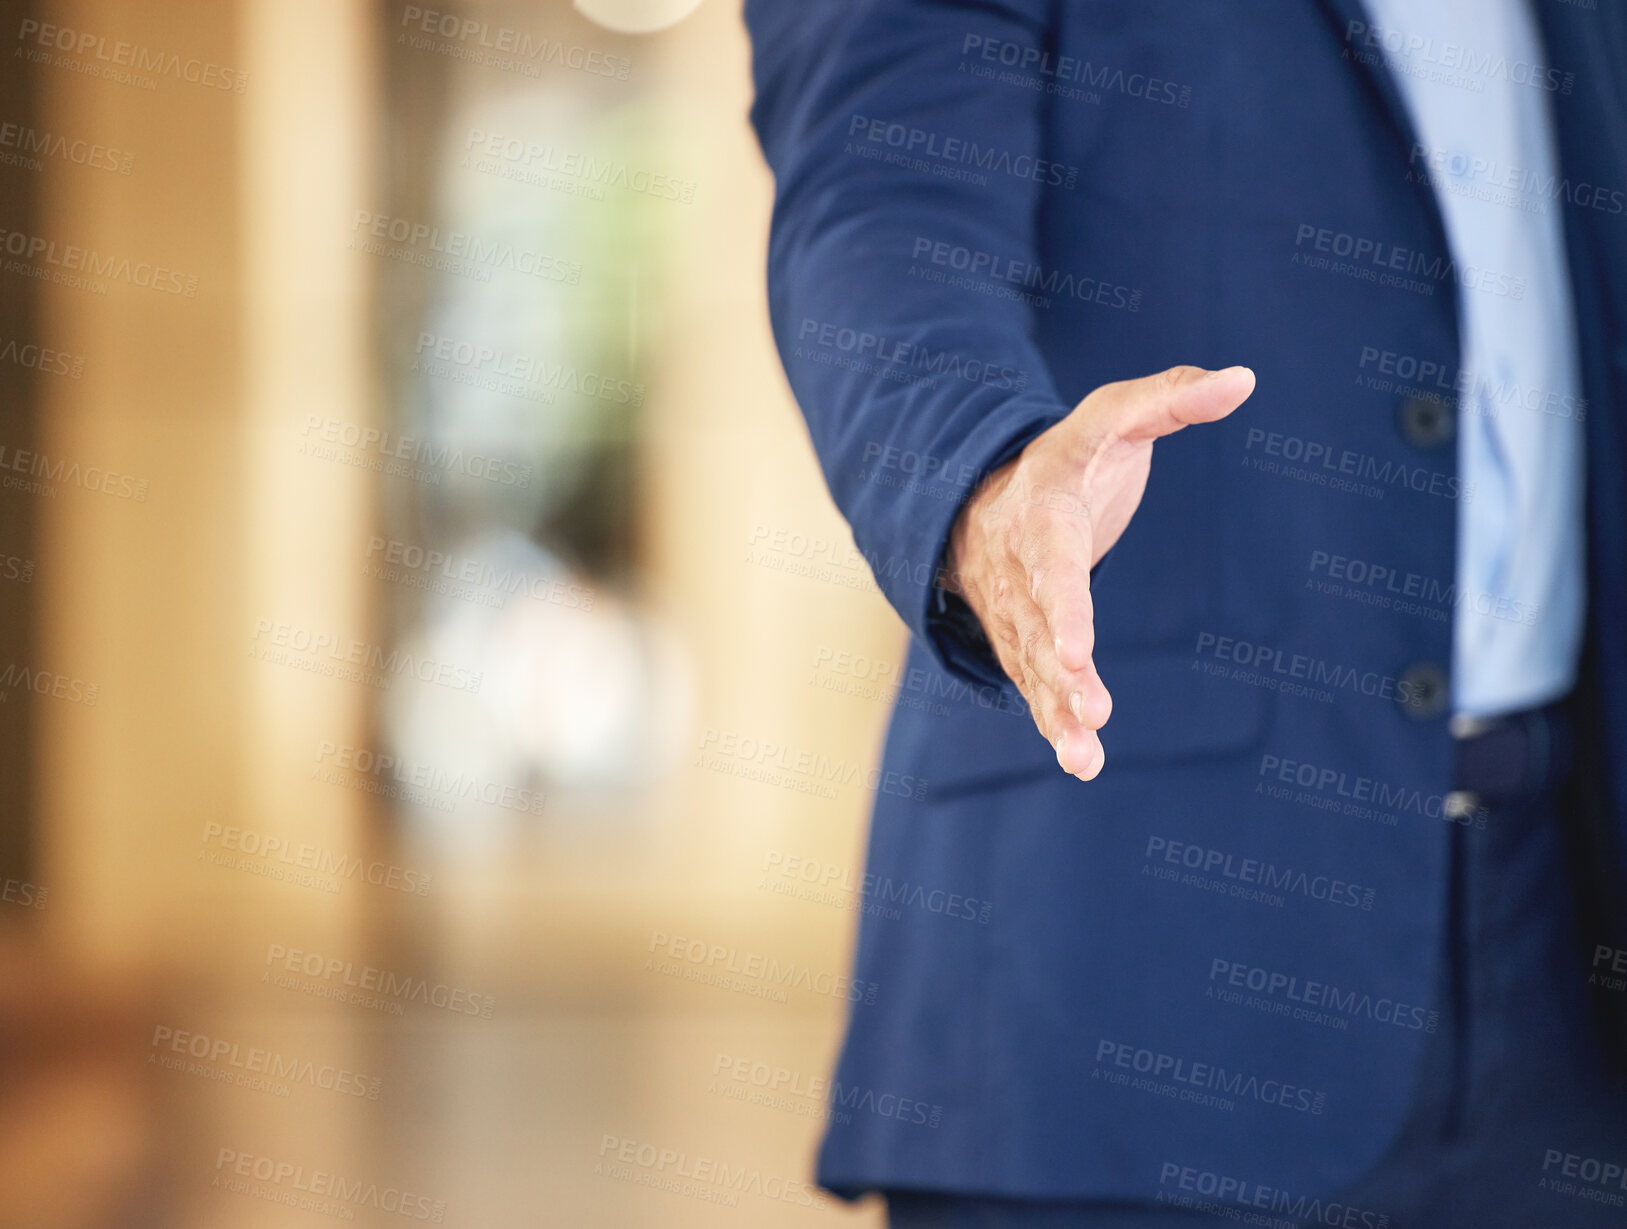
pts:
pixel 1067 705
pixel 1056 558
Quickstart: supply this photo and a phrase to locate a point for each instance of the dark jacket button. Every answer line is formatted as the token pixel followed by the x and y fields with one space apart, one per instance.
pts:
pixel 1428 422
pixel 1422 692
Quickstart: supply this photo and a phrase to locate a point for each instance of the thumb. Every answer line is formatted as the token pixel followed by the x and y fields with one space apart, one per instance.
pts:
pixel 1161 404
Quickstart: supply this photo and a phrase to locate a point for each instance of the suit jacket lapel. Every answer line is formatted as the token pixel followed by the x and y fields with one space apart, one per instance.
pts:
pixel 1350 20
pixel 1369 63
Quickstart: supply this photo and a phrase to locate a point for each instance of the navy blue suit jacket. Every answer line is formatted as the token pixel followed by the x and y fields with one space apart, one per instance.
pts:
pixel 984 210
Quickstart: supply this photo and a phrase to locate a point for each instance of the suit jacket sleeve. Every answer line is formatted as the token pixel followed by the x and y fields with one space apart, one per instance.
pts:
pixel 887 150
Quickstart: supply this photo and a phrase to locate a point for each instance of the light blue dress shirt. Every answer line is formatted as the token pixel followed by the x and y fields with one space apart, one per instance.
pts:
pixel 1478 90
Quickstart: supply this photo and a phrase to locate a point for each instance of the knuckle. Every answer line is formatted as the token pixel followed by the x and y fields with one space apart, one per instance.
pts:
pixel 1174 377
pixel 1000 601
pixel 1031 642
pixel 1033 687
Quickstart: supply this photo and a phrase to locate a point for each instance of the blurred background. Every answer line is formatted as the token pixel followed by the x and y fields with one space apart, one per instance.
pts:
pixel 436 692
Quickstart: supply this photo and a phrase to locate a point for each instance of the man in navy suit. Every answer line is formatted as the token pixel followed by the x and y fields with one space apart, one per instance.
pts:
pixel 1232 401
